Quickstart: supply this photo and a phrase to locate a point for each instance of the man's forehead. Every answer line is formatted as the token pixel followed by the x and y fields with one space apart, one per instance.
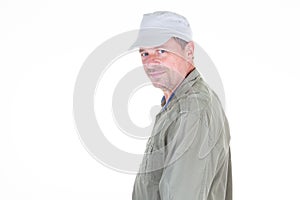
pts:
pixel 153 48
pixel 169 45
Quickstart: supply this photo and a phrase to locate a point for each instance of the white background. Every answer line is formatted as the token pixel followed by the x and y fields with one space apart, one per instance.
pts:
pixel 254 44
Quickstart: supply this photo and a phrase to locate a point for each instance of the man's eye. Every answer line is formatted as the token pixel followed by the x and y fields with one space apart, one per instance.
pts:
pixel 160 51
pixel 144 54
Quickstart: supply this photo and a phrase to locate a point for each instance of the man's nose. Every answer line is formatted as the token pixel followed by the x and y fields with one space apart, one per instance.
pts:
pixel 152 60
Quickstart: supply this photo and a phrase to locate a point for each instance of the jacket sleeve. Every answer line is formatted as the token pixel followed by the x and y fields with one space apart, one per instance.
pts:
pixel 195 158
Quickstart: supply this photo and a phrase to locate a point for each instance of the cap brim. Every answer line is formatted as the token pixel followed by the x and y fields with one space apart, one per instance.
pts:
pixel 153 37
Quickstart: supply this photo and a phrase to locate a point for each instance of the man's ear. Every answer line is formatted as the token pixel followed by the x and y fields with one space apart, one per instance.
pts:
pixel 189 50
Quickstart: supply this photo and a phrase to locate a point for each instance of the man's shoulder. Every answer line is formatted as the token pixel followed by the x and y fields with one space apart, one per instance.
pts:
pixel 197 97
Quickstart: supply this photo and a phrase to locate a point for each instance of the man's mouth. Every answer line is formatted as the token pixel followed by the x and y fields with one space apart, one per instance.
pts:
pixel 155 74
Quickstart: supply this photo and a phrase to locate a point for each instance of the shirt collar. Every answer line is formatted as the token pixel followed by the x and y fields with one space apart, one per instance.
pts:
pixel 183 86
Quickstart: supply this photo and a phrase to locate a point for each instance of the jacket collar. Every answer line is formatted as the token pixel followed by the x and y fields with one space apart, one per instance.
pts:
pixel 184 86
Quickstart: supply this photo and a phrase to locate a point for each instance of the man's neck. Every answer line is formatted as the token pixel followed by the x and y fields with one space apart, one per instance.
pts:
pixel 168 93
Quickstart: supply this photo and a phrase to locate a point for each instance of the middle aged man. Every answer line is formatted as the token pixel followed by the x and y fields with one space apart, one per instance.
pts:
pixel 187 155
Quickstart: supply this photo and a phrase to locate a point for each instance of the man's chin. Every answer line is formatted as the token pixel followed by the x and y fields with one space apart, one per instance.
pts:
pixel 159 85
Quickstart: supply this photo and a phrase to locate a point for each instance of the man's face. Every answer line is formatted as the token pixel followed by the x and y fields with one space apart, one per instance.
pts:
pixel 165 65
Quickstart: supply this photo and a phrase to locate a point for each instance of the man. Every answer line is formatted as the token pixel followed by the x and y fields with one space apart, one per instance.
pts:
pixel 187 155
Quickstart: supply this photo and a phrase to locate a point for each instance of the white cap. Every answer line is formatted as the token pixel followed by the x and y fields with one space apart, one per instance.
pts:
pixel 158 27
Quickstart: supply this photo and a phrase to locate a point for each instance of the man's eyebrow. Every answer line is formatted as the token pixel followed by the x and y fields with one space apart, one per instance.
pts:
pixel 158 47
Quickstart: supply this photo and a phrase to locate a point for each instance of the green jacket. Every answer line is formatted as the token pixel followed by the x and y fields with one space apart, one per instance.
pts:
pixel 187 156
